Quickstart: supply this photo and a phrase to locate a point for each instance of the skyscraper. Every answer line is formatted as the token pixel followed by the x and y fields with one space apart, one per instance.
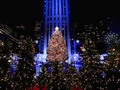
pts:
pixel 56 14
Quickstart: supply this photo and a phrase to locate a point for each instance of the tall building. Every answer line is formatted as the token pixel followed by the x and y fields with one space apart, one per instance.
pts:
pixel 56 14
pixel 37 30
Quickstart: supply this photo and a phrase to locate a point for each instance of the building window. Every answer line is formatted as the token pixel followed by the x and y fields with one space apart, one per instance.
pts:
pixel 65 18
pixel 55 18
pixel 50 18
pixel 62 32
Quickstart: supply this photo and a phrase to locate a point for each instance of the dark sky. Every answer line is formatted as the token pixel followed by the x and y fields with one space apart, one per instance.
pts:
pixel 28 11
pixel 91 10
pixel 20 11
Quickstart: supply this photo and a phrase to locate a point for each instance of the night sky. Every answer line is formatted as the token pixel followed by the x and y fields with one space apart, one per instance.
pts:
pixel 82 11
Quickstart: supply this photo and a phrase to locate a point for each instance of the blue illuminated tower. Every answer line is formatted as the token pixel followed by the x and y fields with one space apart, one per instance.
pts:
pixel 56 13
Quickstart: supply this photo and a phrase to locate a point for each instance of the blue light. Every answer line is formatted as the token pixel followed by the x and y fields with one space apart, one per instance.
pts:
pixel 39 61
pixel 103 58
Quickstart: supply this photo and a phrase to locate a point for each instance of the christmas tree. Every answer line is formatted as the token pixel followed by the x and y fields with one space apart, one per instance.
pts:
pixel 97 74
pixel 24 75
pixel 57 50
pixel 113 61
pixel 5 51
pixel 90 71
pixel 58 76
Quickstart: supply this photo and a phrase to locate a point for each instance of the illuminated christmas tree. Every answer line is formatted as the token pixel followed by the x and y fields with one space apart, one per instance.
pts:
pixel 59 77
pixel 24 75
pixel 5 51
pixel 113 41
pixel 57 50
pixel 90 71
pixel 99 74
pixel 113 64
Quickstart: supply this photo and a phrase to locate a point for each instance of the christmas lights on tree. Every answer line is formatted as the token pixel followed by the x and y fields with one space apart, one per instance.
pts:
pixel 57 50
pixel 5 73
pixel 24 75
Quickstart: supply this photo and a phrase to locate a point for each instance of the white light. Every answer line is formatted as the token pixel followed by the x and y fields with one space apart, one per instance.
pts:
pixel 56 28
pixel 77 41
pixel 36 41
pixel 9 61
pixel 35 76
pixel 101 57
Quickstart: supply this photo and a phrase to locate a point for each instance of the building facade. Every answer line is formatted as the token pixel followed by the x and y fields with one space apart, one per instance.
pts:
pixel 56 14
